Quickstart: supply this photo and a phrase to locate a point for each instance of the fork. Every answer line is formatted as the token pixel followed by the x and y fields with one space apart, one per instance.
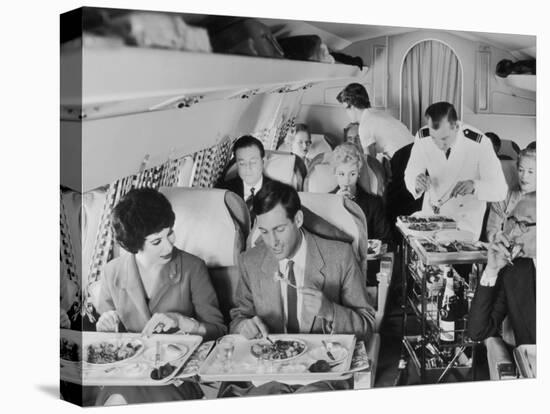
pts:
pixel 328 351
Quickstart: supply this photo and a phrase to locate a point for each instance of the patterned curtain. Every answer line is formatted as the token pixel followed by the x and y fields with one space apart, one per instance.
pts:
pixel 67 250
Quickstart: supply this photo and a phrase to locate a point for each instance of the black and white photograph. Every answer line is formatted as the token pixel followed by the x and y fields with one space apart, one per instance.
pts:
pixel 300 207
pixel 276 206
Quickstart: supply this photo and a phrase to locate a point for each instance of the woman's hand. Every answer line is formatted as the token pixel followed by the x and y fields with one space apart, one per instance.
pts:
pixel 163 322
pixel 64 321
pixel 498 253
pixel 345 191
pixel 107 322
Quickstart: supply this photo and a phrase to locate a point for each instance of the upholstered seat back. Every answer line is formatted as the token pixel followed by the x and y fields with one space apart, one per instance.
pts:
pixel 509 148
pixel 510 170
pixel 204 225
pixel 213 225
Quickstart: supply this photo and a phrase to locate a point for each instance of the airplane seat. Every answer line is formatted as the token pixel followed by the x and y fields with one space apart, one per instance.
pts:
pixel 510 170
pixel 84 213
pixel 212 224
pixel 320 177
pixel 280 166
pixel 372 177
pixel 498 349
pixel 509 148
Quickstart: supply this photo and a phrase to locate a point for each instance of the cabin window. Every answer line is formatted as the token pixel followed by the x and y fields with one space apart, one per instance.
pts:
pixel 431 72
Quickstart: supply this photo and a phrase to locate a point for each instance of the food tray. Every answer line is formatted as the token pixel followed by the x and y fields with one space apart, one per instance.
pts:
pixel 133 372
pixel 443 222
pixel 429 257
pixel 245 367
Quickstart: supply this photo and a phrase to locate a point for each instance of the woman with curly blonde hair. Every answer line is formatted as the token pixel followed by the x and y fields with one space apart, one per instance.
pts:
pixel 347 162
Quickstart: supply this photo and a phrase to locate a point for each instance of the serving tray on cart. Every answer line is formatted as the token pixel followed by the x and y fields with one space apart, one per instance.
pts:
pixel 244 366
pixel 420 246
pixel 175 349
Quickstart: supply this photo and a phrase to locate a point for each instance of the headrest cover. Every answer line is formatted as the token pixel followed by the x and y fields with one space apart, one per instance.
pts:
pixel 280 167
pixel 203 224
pixel 320 178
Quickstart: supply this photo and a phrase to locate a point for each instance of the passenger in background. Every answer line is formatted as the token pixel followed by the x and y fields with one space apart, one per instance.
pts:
pixel 347 162
pixel 527 177
pixel 249 156
pixel 154 289
pixel 508 284
pixel 456 168
pixel 379 132
pixel 399 201
pixel 296 282
pixel 379 177
pixel 497 143
pixel 299 146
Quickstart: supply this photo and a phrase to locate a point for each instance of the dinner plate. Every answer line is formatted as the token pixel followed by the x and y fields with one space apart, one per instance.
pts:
pixel 168 353
pixel 113 345
pixel 338 352
pixel 373 245
pixel 257 349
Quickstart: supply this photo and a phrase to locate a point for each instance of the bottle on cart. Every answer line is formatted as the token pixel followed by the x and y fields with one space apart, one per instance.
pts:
pixel 447 314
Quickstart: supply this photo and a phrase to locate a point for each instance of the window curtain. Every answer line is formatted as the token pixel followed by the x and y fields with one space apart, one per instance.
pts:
pixel 431 73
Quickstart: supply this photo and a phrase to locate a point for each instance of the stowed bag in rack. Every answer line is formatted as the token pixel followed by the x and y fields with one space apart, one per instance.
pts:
pixel 306 47
pixel 246 37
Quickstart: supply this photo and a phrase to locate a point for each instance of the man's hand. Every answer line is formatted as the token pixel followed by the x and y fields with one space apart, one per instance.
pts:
pixel 463 188
pixel 253 328
pixel 423 183
pixel 315 302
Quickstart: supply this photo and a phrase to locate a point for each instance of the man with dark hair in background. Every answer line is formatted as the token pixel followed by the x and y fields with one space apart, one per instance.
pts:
pixel 455 167
pixel 379 132
pixel 249 156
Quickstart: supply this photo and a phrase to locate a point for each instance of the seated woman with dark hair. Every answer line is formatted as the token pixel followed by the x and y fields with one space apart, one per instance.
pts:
pixel 155 289
pixel 347 162
pixel 527 179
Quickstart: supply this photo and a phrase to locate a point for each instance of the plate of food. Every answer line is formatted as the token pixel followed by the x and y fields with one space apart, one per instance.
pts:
pixel 112 352
pixel 279 350
pixel 69 351
pixel 168 353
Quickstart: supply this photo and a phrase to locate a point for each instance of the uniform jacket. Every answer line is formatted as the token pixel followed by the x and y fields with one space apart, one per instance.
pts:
pixel 330 267
pixel 185 289
pixel 472 158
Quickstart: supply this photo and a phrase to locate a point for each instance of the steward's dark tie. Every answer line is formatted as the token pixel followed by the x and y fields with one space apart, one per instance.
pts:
pixel 292 325
pixel 447 153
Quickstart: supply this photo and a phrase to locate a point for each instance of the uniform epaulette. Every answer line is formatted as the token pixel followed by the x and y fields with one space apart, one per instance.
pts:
pixel 424 132
pixel 474 136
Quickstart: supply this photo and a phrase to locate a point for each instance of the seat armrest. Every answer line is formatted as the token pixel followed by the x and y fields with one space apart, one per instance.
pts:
pixel 498 355
pixel 365 379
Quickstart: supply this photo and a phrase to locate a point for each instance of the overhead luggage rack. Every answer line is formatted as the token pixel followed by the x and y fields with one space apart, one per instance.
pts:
pixel 121 80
